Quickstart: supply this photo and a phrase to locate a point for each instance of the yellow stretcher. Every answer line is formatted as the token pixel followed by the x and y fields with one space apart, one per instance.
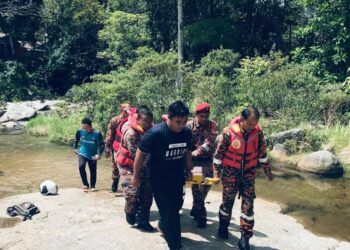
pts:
pixel 200 181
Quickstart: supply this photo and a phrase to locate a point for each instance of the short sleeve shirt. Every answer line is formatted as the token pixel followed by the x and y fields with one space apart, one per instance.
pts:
pixel 167 151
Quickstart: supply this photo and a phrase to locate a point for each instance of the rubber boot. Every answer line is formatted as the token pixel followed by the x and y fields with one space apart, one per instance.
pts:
pixel 115 183
pixel 130 218
pixel 243 243
pixel 223 230
pixel 193 213
pixel 202 223
pixel 145 226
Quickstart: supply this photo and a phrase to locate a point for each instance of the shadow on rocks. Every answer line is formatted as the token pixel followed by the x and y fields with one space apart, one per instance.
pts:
pixel 207 238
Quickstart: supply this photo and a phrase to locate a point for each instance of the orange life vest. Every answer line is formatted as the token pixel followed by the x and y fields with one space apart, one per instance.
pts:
pixel 243 151
pixel 123 156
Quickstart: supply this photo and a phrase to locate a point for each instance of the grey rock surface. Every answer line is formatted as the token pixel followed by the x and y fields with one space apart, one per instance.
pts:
pixel 321 162
pixel 296 134
pixel 77 220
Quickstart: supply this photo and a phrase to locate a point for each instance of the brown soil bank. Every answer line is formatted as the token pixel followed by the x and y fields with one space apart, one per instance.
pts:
pixel 77 220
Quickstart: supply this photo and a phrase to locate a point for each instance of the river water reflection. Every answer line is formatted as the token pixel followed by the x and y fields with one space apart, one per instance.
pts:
pixel 321 205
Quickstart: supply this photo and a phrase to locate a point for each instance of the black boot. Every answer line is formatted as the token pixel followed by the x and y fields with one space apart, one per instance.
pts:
pixel 115 185
pixel 146 227
pixel 202 223
pixel 193 213
pixel 223 231
pixel 130 218
pixel 243 243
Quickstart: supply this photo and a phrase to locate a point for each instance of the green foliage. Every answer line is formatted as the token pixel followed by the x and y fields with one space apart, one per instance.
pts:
pixel 208 34
pixel 153 78
pixel 292 146
pixel 312 141
pixel 214 82
pixel 346 83
pixel 98 100
pixel 324 38
pixel 130 6
pixel 13 81
pixel 337 135
pixel 20 19
pixel 264 25
pixel 16 83
pixel 57 129
pixel 149 81
pixel 279 88
pixel 126 49
pixel 71 29
pixel 334 105
pixel 123 33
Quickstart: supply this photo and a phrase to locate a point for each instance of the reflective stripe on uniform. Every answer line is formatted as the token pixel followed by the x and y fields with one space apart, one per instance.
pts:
pixel 217 161
pixel 263 160
pixel 205 146
pixel 224 213
pixel 247 217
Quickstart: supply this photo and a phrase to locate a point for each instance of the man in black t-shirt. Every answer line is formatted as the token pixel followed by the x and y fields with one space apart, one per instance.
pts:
pixel 168 145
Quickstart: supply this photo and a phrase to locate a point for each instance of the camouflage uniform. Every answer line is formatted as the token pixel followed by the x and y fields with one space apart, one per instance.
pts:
pixel 203 140
pixel 138 200
pixel 110 137
pixel 234 181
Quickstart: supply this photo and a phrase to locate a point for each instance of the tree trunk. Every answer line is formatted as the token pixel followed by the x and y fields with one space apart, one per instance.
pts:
pixel 180 43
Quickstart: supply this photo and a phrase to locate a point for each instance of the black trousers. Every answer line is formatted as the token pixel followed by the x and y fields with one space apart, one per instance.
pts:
pixel 92 166
pixel 168 196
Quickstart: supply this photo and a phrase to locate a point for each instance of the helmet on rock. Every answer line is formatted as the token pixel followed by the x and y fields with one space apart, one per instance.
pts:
pixel 48 187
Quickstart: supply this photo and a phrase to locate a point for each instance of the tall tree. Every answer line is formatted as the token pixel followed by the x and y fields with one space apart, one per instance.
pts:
pixel 72 38
pixel 123 33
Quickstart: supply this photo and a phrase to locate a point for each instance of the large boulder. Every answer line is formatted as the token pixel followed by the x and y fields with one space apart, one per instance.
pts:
pixel 37 105
pixel 292 134
pixel 25 110
pixel 52 104
pixel 2 109
pixel 18 112
pixel 321 162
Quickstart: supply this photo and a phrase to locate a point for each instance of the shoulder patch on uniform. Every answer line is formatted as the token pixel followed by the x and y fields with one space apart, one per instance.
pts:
pixel 236 128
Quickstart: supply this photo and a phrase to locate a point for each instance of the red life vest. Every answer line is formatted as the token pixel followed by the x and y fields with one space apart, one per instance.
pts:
pixel 123 156
pixel 118 134
pixel 118 130
pixel 242 150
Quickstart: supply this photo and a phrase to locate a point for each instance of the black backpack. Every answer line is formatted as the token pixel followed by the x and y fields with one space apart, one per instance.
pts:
pixel 25 209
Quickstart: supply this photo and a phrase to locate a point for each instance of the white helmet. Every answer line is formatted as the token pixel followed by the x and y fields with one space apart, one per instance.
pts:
pixel 48 187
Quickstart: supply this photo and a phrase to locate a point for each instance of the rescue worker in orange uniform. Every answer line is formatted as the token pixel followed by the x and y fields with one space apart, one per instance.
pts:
pixel 204 133
pixel 241 149
pixel 138 201
pixel 112 142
